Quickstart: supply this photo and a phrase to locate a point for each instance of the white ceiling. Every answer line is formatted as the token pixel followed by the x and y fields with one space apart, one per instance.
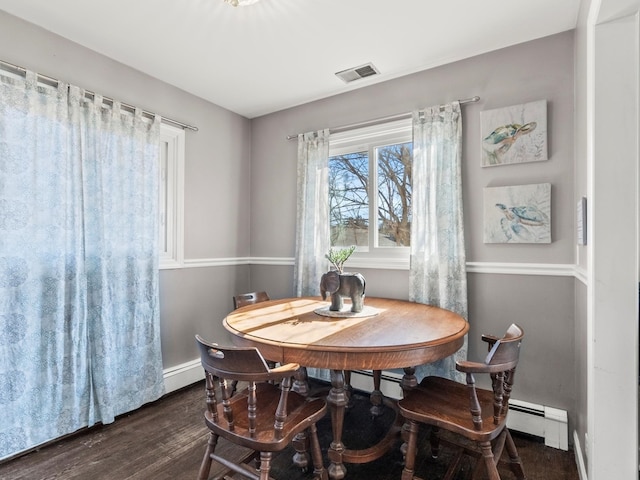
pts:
pixel 277 54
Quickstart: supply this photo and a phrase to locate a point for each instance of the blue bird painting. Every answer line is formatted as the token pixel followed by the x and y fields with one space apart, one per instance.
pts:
pixel 500 140
pixel 518 220
pixel 518 214
pixel 514 134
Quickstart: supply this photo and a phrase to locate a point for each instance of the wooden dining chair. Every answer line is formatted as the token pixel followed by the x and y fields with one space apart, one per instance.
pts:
pixel 249 299
pixel 476 414
pixel 241 300
pixel 263 417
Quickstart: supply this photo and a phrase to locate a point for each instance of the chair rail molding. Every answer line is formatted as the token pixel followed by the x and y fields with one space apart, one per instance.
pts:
pixel 582 274
pixel 216 262
pixel 548 269
pixel 505 268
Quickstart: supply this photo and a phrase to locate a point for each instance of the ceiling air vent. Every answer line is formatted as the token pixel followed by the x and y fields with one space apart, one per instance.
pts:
pixel 357 73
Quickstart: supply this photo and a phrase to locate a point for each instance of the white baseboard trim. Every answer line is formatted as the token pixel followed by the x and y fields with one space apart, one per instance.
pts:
pixel 577 448
pixel 182 375
pixel 538 420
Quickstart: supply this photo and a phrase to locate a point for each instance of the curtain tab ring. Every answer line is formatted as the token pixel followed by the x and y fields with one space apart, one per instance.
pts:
pixel 31 79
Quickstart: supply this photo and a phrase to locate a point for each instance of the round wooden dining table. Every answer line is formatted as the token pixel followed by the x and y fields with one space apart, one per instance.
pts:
pixel 387 334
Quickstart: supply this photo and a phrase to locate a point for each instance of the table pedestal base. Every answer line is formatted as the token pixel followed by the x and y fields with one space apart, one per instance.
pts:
pixel 338 454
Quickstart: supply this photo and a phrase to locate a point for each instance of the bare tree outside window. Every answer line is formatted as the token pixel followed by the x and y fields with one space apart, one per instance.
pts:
pixel 394 195
pixel 349 197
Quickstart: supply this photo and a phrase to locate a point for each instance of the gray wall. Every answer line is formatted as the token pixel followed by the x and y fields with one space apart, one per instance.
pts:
pixel 543 304
pixel 216 178
pixel 240 192
pixel 532 71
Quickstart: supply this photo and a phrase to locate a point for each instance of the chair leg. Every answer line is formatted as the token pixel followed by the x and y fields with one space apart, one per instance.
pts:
pixel 489 461
pixel 319 472
pixel 410 456
pixel 348 389
pixel 434 441
pixel 498 445
pixel 300 382
pixel 301 446
pixel 376 398
pixel 514 460
pixel 477 470
pixel 453 466
pixel 265 465
pixel 205 467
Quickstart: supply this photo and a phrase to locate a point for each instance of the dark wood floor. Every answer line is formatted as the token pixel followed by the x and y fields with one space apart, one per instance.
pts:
pixel 166 440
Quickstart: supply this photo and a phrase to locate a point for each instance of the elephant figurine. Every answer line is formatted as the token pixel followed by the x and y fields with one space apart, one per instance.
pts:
pixel 340 285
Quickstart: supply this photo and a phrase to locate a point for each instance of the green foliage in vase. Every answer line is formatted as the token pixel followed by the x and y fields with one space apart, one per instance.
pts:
pixel 338 257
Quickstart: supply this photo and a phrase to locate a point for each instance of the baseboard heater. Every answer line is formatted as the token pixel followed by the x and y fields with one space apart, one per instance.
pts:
pixel 182 375
pixel 538 420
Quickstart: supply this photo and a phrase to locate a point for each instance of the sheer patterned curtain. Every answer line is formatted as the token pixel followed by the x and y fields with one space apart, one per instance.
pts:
pixel 79 317
pixel 438 262
pixel 312 230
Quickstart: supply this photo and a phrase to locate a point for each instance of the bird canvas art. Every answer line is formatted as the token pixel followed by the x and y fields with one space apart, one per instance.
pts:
pixel 518 214
pixel 515 134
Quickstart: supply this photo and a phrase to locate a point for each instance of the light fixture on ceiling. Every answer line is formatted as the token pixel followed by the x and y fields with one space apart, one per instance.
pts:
pixel 241 3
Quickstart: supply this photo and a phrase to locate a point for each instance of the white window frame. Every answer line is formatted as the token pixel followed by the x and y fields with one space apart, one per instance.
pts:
pixel 172 164
pixel 367 139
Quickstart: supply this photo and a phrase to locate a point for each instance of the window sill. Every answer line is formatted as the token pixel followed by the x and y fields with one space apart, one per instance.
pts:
pixel 378 263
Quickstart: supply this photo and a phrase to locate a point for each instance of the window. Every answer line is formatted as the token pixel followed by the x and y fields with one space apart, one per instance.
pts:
pixel 370 193
pixel 171 196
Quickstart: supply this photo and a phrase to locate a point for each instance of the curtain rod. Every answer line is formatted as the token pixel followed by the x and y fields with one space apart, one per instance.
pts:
pixel 15 69
pixel 389 118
